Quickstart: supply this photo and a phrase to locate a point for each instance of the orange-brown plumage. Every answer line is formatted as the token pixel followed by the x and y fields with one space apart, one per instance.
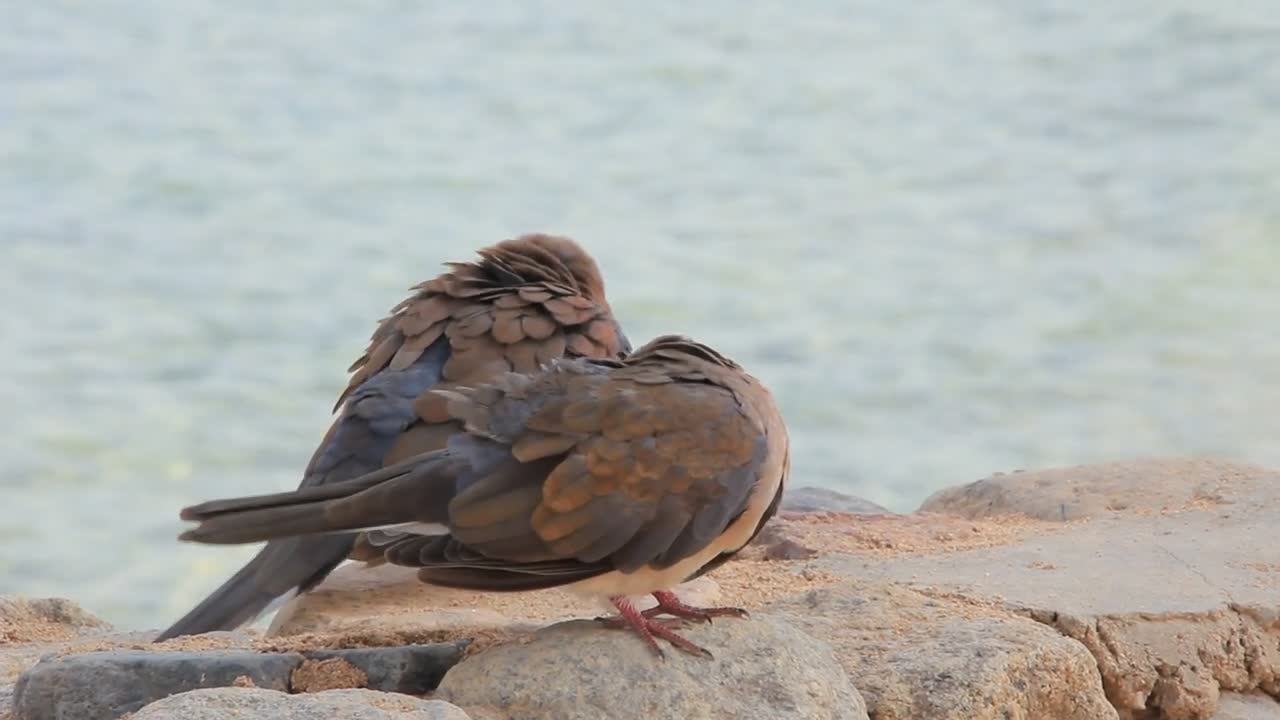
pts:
pixel 525 302
pixel 609 477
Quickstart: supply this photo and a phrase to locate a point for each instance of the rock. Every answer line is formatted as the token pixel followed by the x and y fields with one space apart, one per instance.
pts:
pixel 816 499
pixel 476 712
pixel 16 659
pixel 1128 590
pixel 1232 706
pixel 45 627
pixel 44 620
pixel 914 656
pixel 787 549
pixel 332 673
pixel 412 669
pixel 105 685
pixel 763 668
pixel 389 599
pixel 228 703
pixel 390 602
pixel 1176 605
pixel 1084 491
pixel 30 628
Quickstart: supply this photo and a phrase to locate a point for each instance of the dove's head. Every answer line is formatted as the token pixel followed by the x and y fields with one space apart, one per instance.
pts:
pixel 559 256
pixel 581 266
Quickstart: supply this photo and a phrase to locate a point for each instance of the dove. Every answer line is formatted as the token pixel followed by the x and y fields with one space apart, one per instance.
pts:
pixel 611 478
pixel 524 303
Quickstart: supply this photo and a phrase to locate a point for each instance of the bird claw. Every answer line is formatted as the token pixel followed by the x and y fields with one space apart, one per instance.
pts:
pixel 672 605
pixel 698 613
pixel 616 622
pixel 649 629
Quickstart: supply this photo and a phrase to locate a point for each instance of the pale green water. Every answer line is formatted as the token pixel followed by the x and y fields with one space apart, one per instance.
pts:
pixel 954 237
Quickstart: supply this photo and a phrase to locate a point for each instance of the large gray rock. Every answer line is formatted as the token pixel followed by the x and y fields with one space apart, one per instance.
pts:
pixel 35 628
pixel 817 499
pixel 763 670
pixel 1176 595
pixel 237 703
pixel 109 683
pixel 106 685
pixel 915 656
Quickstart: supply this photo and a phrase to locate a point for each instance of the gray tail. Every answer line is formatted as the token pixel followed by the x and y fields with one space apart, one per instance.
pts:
pixel 280 567
pixel 309 532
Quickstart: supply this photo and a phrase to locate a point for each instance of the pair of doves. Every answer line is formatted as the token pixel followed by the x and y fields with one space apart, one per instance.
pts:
pixel 501 434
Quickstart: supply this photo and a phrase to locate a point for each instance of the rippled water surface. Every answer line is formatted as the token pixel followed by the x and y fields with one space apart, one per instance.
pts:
pixel 954 238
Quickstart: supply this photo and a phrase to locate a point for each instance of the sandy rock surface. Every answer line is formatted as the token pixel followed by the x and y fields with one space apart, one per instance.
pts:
pixel 356 599
pixel 916 656
pixel 44 620
pixel 32 627
pixel 1144 590
pixel 1176 598
pixel 1085 491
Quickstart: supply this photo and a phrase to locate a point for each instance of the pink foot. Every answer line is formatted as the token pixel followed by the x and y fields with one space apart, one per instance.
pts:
pixel 670 604
pixel 649 629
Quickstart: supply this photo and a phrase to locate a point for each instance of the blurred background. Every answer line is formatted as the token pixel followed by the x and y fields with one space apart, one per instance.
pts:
pixel 955 237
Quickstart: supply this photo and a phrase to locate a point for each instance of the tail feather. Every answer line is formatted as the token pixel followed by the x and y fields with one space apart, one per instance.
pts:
pixel 328 491
pixel 419 492
pixel 280 567
pixel 309 532
pixel 268 523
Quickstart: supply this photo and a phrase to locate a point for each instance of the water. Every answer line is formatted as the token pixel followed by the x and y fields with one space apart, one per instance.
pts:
pixel 954 238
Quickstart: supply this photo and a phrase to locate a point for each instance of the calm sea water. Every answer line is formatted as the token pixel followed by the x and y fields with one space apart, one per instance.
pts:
pixel 954 238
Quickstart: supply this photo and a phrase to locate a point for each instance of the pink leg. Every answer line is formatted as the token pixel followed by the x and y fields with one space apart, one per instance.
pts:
pixel 649 629
pixel 670 604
